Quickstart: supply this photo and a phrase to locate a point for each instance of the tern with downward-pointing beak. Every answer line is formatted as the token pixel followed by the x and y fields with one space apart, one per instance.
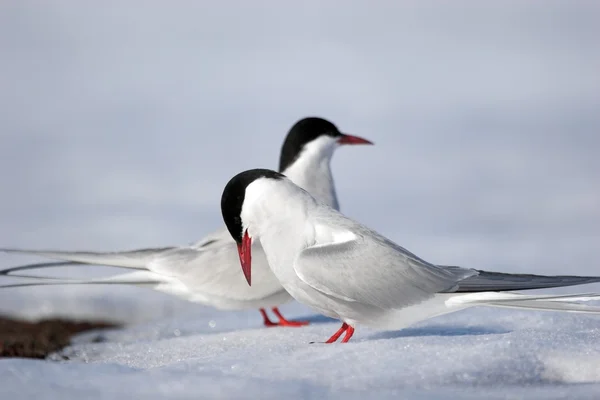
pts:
pixel 208 271
pixel 347 271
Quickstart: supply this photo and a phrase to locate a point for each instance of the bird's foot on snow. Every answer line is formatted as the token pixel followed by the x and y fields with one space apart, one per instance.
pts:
pixel 282 321
pixel 293 324
pixel 285 322
pixel 345 328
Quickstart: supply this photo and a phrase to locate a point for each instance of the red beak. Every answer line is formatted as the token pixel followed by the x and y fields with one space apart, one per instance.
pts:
pixel 349 139
pixel 245 252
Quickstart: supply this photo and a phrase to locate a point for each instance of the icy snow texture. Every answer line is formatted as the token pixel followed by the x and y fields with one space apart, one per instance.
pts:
pixel 202 354
pixel 122 120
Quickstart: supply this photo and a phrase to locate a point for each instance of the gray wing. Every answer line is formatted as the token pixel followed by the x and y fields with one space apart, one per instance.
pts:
pixel 133 259
pixel 497 281
pixel 210 267
pixel 359 265
pixel 52 264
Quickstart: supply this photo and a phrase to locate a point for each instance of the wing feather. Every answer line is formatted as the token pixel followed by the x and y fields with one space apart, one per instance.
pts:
pixel 368 268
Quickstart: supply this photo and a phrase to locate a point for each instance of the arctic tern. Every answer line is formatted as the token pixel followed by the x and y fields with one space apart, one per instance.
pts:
pixel 347 271
pixel 207 271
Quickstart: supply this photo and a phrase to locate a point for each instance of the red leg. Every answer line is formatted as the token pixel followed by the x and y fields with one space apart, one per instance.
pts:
pixel 349 333
pixel 285 322
pixel 337 335
pixel 266 319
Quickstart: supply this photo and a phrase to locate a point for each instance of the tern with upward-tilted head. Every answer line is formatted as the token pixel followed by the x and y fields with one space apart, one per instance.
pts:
pixel 208 271
pixel 346 271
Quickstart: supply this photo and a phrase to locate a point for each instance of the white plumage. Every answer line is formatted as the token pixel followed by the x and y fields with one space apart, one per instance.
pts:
pixel 208 270
pixel 347 271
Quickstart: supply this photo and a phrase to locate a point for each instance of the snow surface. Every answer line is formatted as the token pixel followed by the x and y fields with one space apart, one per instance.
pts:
pixel 122 120
pixel 202 353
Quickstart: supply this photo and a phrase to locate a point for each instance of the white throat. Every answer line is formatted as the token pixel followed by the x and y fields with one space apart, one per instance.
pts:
pixel 312 172
pixel 276 213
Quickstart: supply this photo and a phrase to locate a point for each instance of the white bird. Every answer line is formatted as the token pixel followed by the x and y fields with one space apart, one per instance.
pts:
pixel 347 271
pixel 207 271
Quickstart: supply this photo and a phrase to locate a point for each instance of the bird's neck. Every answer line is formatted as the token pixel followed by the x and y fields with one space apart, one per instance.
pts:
pixel 312 172
pixel 282 244
pixel 280 220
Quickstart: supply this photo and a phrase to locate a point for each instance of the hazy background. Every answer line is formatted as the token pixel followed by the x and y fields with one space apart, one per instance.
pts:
pixel 121 121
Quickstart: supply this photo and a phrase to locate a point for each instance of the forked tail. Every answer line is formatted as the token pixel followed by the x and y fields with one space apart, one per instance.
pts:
pixel 134 259
pixel 137 278
pixel 565 303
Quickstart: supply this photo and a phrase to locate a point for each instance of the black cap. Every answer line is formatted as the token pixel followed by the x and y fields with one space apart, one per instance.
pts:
pixel 233 195
pixel 304 131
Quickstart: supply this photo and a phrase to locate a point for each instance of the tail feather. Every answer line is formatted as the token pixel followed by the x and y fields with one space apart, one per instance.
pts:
pixel 134 259
pixel 138 278
pixel 550 306
pixel 486 281
pixel 515 300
